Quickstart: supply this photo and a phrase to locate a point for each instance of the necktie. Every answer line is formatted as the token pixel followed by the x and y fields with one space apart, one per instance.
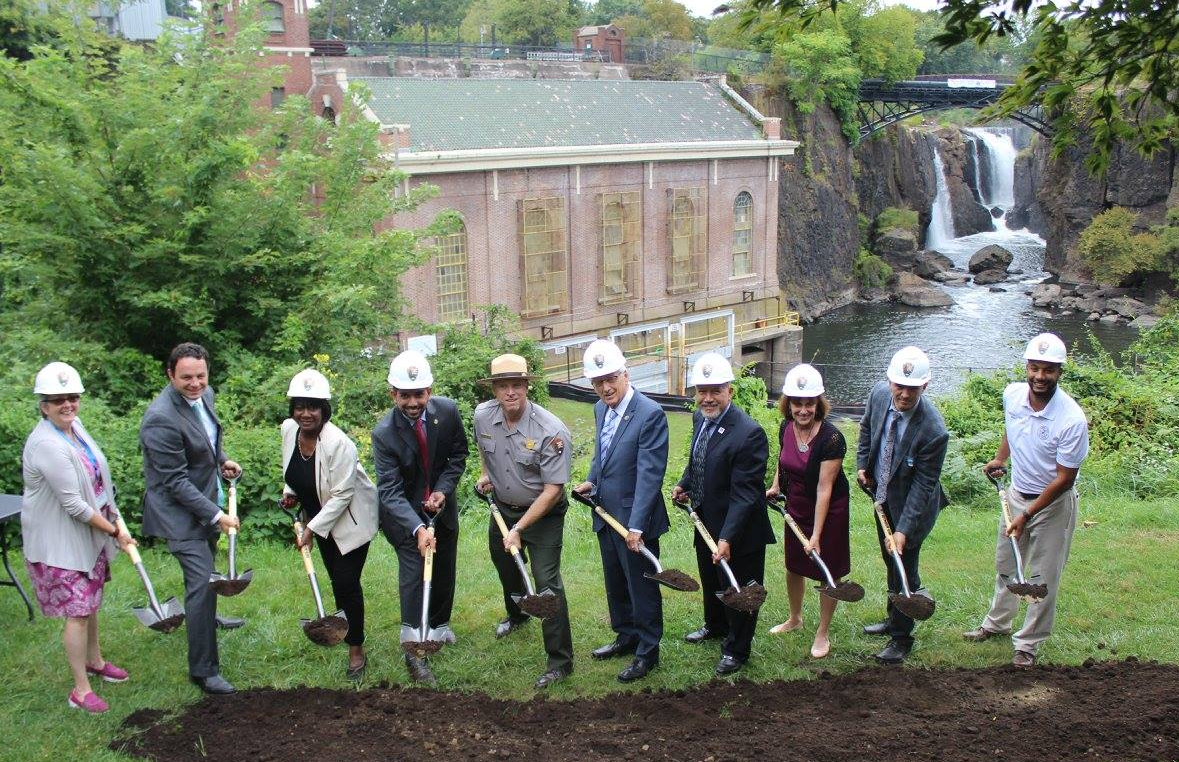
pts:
pixel 890 436
pixel 419 428
pixel 608 429
pixel 696 480
pixel 210 432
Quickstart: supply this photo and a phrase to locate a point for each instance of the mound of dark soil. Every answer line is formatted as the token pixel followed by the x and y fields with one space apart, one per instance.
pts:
pixel 1127 711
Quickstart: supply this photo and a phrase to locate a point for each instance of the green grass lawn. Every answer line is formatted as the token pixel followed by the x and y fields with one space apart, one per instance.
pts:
pixel 1118 599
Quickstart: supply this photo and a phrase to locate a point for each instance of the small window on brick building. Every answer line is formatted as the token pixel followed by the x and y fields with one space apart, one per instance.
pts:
pixel 688 233
pixel 544 256
pixel 622 226
pixel 272 19
pixel 277 96
pixel 450 268
pixel 743 235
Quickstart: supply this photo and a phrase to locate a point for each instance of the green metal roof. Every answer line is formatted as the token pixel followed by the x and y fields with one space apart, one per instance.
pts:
pixel 457 114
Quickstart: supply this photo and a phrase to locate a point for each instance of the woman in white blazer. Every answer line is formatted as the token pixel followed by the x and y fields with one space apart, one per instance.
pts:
pixel 323 475
pixel 68 527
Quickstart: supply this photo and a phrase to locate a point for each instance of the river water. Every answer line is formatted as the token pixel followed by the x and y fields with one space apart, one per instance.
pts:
pixel 981 331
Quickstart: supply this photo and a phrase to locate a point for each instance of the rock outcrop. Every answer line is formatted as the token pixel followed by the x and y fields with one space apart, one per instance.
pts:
pixel 912 290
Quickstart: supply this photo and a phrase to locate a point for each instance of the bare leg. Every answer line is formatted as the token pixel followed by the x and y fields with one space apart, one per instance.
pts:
pixel 795 589
pixel 822 644
pixel 93 651
pixel 75 636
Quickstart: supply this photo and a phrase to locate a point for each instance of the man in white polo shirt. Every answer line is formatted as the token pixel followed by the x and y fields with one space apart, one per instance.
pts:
pixel 1047 439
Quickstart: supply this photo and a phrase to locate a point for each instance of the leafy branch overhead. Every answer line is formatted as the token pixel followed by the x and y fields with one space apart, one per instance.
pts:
pixel 1105 71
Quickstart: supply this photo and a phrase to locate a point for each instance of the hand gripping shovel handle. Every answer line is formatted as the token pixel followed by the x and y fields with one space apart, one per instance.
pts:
pixel 613 522
pixel 892 548
pixel 513 550
pixel 707 537
pixel 133 554
pixel 802 538
pixel 305 552
pixel 1007 525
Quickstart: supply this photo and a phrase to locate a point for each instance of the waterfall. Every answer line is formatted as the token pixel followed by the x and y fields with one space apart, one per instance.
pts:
pixel 941 219
pixel 1001 162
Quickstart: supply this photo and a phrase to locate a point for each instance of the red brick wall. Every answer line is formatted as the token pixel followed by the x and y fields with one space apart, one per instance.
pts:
pixel 494 251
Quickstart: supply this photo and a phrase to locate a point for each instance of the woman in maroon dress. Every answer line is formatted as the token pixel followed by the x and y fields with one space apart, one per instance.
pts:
pixel 810 475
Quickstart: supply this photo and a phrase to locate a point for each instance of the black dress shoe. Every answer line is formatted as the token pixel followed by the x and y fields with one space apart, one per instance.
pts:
pixel 728 665
pixel 617 648
pixel 637 670
pixel 508 626
pixel 550 677
pixel 894 653
pixel 419 670
pixel 703 634
pixel 880 628
pixel 229 622
pixel 214 684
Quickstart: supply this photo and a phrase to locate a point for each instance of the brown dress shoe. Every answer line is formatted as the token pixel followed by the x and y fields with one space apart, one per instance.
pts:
pixel 419 670
pixel 1023 659
pixel 982 633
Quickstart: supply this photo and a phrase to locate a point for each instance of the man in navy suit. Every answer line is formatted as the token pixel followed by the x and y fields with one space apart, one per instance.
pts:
pixel 626 477
pixel 899 458
pixel 725 482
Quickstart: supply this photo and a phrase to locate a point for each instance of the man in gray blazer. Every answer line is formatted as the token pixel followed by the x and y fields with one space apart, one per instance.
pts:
pixel 626 477
pixel 899 458
pixel 182 461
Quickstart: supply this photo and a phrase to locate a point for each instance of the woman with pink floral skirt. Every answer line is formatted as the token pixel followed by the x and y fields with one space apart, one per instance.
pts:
pixel 68 527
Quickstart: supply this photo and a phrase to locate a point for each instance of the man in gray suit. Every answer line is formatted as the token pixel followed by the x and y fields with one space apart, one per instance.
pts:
pixel 182 461
pixel 899 458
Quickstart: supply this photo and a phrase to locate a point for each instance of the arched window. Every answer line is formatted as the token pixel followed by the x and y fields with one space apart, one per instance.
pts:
pixel 743 235
pixel 272 17
pixel 621 217
pixel 451 272
pixel 689 239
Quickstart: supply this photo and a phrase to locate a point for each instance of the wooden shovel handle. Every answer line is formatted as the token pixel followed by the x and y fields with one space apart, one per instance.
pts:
pixel 1006 508
pixel 232 510
pixel 304 550
pixel 794 527
pixel 704 534
pixel 132 551
pixel 428 561
pixel 884 525
pixel 503 527
pixel 613 522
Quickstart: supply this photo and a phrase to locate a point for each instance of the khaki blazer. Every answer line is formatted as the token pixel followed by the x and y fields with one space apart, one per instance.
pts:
pixel 347 497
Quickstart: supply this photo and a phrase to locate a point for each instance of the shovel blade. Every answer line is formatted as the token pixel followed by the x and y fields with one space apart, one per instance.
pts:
pixel 675 579
pixel 917 606
pixel 849 592
pixel 230 586
pixel 326 631
pixel 748 598
pixel 542 605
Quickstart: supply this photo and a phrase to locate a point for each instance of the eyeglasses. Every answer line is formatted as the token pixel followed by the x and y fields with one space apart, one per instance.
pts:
pixel 71 398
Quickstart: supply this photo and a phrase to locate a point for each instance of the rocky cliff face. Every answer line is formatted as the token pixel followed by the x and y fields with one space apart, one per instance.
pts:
pixel 1058 198
pixel 958 163
pixel 894 168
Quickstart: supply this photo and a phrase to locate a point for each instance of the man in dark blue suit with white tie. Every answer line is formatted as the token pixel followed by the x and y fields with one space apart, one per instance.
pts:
pixel 626 478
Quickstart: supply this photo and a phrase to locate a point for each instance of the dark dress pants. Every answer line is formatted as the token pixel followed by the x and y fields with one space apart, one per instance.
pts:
pixel 542 553
pixel 409 578
pixel 200 604
pixel 737 627
pixel 635 603
pixel 344 571
pixel 900 626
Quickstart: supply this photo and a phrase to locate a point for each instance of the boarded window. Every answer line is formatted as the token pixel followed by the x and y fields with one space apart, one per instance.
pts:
pixel 543 256
pixel 622 229
pixel 743 235
pixel 272 20
pixel 688 231
pixel 451 271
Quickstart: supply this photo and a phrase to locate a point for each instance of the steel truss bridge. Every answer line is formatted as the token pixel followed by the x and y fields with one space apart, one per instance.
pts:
pixel 884 103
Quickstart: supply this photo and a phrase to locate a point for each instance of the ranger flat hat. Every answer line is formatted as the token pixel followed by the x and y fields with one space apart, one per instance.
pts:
pixel 507 367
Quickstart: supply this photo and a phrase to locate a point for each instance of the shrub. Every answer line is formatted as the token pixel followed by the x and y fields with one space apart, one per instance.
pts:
pixel 895 217
pixel 870 271
pixel 1113 252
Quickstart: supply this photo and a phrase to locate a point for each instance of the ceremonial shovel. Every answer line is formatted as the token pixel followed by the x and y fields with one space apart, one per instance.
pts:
pixel 1020 586
pixel 423 641
pixel 840 591
pixel 673 578
pixel 916 605
pixel 164 617
pixel 749 598
pixel 323 630
pixel 232 583
pixel 541 605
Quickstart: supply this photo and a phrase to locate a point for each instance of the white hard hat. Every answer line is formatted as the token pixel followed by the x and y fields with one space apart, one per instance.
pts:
pixel 711 369
pixel 602 357
pixel 310 384
pixel 909 367
pixel 410 371
pixel 803 381
pixel 1047 347
pixel 58 378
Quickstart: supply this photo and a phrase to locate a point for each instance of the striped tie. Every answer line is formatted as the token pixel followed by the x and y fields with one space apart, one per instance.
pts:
pixel 890 437
pixel 608 429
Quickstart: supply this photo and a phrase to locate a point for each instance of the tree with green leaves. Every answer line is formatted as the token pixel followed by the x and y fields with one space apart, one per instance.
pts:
pixel 1108 67
pixel 148 198
pixel 524 22
pixel 658 19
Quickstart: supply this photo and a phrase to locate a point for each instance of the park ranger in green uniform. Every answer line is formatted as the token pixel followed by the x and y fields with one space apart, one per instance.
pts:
pixel 526 455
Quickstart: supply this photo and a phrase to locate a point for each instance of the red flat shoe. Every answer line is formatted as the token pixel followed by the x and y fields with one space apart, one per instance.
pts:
pixel 109 672
pixel 90 702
